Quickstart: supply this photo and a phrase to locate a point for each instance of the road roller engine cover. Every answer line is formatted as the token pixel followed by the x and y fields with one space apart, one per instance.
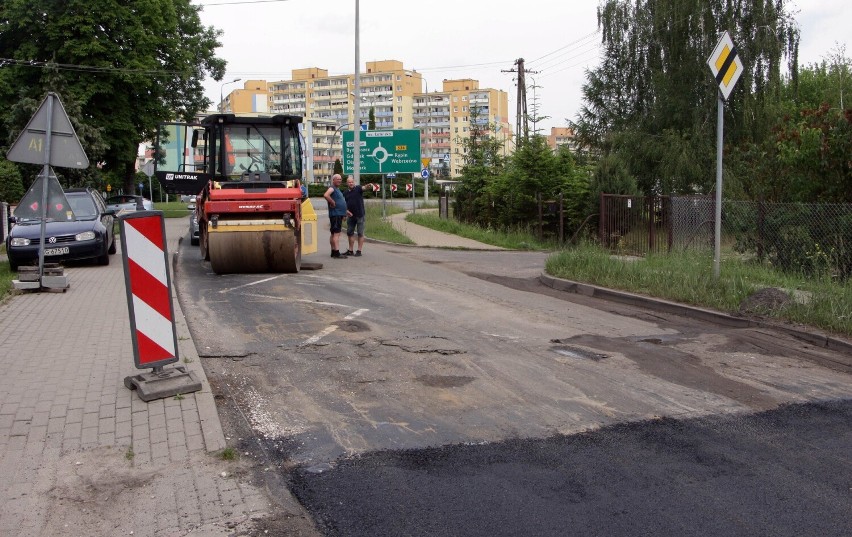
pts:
pixel 244 171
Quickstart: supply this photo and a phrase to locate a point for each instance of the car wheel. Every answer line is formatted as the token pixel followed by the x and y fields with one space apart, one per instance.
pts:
pixel 13 266
pixel 103 260
pixel 112 247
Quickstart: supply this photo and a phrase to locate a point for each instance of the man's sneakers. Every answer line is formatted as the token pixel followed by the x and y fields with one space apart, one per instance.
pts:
pixel 337 255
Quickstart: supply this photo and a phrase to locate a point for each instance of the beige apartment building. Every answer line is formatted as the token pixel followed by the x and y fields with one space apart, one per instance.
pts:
pixel 400 98
pixel 560 136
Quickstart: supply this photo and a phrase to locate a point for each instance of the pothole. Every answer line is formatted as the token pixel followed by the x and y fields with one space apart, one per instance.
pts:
pixel 444 381
pixel 577 352
pixel 352 326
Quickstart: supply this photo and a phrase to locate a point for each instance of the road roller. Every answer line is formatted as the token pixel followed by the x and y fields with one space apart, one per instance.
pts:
pixel 244 171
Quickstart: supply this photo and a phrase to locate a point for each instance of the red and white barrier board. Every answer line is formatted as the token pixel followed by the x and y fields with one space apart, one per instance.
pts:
pixel 149 298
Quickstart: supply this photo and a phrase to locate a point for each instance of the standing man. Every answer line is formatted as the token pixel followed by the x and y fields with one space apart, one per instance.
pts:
pixel 336 213
pixel 354 216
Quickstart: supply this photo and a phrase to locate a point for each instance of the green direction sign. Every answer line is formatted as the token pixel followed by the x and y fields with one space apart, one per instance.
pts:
pixel 383 151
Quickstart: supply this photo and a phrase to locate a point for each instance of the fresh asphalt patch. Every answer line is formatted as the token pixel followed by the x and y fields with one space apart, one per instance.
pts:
pixel 783 472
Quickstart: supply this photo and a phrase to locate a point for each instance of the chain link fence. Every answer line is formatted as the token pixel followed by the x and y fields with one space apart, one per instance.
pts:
pixel 806 238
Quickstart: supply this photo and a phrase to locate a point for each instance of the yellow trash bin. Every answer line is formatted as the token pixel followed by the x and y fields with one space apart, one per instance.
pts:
pixel 309 228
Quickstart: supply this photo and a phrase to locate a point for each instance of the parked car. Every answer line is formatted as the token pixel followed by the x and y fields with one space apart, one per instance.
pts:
pixel 127 203
pixel 193 228
pixel 89 236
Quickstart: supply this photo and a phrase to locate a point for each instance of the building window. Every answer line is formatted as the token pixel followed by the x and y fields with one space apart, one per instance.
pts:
pixel 457 130
pixel 464 109
pixel 455 109
pixel 399 109
pixel 464 97
pixel 399 119
pixel 399 99
pixel 455 99
pixel 399 88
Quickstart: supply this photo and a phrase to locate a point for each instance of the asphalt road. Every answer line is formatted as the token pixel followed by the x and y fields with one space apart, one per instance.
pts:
pixel 427 392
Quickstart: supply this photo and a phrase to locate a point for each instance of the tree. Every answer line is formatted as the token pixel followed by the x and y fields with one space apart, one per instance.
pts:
pixel 371 119
pixel 654 89
pixel 483 162
pixel 120 68
pixel 806 157
pixel 11 185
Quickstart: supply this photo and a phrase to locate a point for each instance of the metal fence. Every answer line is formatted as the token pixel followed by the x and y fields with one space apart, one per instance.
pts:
pixel 798 237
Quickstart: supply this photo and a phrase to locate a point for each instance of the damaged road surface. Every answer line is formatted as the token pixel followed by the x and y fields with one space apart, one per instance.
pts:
pixel 425 392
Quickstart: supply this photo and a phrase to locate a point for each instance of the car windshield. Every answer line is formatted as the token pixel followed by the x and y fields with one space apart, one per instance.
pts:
pixel 82 205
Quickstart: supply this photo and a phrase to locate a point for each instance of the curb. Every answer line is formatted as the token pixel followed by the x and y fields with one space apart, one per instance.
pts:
pixel 816 339
pixel 211 427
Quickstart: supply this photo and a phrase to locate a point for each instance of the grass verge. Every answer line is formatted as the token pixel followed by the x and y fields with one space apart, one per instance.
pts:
pixel 518 239
pixel 688 278
pixel 381 229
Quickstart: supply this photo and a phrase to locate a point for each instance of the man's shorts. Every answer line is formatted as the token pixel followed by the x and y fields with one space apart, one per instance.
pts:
pixel 353 223
pixel 336 224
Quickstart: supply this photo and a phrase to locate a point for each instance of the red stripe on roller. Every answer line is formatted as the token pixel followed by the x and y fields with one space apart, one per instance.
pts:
pixel 149 290
pixel 151 228
pixel 150 351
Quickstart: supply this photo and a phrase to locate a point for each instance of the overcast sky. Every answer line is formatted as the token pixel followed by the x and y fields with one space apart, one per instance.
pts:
pixel 446 39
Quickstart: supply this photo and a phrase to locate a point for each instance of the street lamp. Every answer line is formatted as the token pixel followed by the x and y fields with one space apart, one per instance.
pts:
pixel 221 98
pixel 334 140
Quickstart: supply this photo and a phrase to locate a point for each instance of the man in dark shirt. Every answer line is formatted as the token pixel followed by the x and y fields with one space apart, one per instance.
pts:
pixel 354 216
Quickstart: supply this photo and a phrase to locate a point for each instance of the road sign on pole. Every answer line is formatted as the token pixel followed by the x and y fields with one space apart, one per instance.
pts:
pixel 725 64
pixel 380 151
pixel 726 67
pixel 64 146
pixel 424 173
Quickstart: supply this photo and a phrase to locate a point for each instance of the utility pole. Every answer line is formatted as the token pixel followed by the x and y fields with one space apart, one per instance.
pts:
pixel 522 126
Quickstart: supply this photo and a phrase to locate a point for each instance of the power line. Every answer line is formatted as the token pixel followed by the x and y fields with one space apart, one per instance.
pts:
pixel 238 2
pixel 548 68
pixel 87 68
pixel 576 41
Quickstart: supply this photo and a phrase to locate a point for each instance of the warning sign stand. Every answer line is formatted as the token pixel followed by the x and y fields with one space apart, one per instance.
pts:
pixel 48 139
pixel 149 302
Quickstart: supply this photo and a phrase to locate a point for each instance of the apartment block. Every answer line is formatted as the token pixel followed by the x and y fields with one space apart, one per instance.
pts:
pixel 400 99
pixel 560 136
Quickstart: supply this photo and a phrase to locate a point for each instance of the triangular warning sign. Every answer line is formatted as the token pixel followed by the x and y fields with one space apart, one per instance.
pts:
pixel 57 208
pixel 65 148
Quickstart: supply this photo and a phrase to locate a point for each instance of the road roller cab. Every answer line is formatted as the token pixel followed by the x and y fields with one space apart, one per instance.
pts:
pixel 243 170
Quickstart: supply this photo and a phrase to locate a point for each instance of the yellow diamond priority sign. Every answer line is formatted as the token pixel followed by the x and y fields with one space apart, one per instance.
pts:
pixel 725 64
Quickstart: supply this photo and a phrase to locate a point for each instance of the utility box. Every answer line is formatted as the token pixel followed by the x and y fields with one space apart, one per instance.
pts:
pixel 309 228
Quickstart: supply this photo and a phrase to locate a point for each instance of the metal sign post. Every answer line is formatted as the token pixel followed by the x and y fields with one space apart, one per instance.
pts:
pixel 48 139
pixel 726 67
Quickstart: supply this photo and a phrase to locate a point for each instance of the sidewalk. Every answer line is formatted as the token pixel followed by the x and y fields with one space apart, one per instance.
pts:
pixel 80 454
pixel 424 236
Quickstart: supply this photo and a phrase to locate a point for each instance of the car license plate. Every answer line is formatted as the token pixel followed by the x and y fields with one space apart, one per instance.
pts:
pixel 56 251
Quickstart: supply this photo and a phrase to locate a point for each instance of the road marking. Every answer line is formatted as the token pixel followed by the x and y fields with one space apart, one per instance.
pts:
pixel 330 329
pixel 223 291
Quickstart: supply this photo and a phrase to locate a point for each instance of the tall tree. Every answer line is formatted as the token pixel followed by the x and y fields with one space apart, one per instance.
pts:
pixel 653 87
pixel 123 66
